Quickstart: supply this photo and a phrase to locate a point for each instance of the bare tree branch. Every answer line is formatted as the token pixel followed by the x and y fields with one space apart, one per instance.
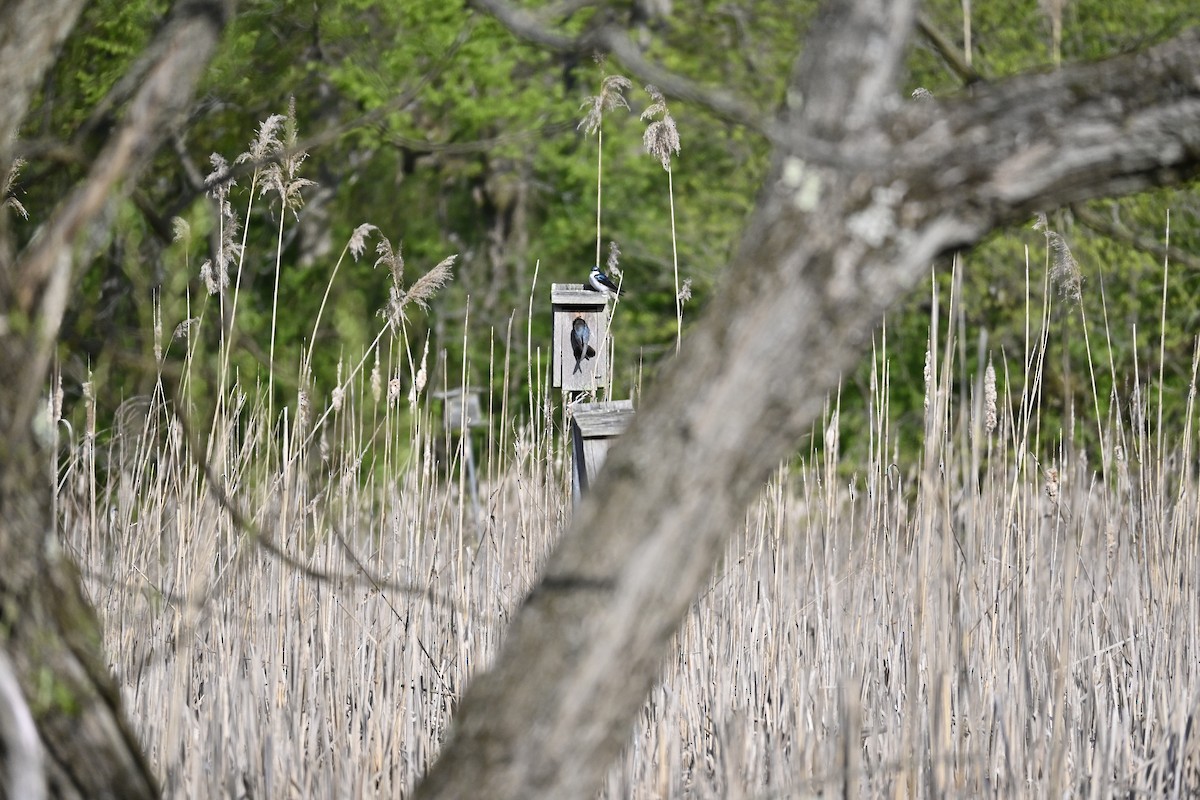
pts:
pixel 1117 231
pixel 614 41
pixel 949 53
pixel 828 249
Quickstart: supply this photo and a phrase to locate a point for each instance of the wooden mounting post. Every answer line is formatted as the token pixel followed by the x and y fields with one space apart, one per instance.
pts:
pixel 461 411
pixel 571 301
pixel 594 426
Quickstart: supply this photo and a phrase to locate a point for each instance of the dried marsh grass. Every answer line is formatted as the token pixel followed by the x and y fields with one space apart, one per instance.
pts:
pixel 294 609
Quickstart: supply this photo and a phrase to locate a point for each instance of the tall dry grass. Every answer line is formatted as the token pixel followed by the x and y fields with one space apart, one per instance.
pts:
pixel 294 602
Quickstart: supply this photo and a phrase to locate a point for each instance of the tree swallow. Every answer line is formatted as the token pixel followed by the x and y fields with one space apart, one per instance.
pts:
pixel 581 334
pixel 600 282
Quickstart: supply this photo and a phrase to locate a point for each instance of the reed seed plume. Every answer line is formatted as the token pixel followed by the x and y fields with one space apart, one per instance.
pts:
pixel 614 258
pixel 8 196
pixel 229 249
pixel 358 239
pixel 685 291
pixel 431 282
pixel 281 175
pixel 1064 272
pixel 181 231
pixel 419 293
pixel 661 139
pixel 184 328
pixel 265 143
pixel 392 258
pixel 610 98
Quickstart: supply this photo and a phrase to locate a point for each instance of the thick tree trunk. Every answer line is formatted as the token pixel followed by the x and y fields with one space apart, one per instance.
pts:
pixel 48 630
pixel 867 189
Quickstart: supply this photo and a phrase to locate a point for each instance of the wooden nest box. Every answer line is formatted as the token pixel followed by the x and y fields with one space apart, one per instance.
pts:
pixel 580 362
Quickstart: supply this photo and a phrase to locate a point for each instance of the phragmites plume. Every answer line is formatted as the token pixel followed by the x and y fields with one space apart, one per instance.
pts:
pixel 989 399
pixel 685 291
pixel 420 292
pixel 661 139
pixel 8 198
pixel 181 231
pixel 358 239
pixel 266 143
pixel 229 249
pixel 611 97
pixel 185 328
pixel 614 255
pixel 1064 272
pixel 280 175
pixel 614 260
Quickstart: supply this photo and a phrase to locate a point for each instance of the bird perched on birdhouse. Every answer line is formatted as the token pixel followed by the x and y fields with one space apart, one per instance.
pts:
pixel 600 282
pixel 581 334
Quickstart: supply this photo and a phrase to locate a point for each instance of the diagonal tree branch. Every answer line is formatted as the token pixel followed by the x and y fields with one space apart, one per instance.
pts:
pixel 610 39
pixel 830 246
pixel 1118 231
pixel 948 52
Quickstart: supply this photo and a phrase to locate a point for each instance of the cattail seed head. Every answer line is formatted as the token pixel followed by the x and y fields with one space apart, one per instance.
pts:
pixel 928 379
pixel 989 399
pixel 302 407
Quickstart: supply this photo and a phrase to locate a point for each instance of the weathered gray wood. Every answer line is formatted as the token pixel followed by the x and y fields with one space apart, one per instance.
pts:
pixel 568 301
pixel 594 427
pixel 458 411
pixel 865 191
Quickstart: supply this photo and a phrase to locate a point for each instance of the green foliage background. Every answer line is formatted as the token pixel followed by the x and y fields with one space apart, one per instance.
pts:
pixel 435 124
